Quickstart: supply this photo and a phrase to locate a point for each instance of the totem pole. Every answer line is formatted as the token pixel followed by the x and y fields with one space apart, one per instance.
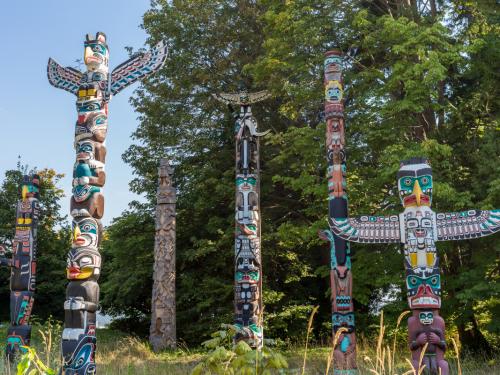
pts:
pixel 417 229
pixel 93 90
pixel 23 266
pixel 340 253
pixel 248 266
pixel 162 331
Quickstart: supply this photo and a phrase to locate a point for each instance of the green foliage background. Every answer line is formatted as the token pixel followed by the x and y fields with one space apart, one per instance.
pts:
pixel 53 243
pixel 419 82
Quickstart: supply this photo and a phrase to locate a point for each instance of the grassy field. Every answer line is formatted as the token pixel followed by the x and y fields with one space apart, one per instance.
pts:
pixel 122 354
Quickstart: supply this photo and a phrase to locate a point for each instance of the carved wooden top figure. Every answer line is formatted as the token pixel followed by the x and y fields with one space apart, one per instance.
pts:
pixel 418 227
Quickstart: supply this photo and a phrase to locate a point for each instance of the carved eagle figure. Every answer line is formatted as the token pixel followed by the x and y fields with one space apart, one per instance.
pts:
pixel 137 67
pixel 418 227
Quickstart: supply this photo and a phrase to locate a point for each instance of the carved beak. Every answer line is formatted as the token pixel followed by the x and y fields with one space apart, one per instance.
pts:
pixel 87 53
pixel 417 192
pixel 76 233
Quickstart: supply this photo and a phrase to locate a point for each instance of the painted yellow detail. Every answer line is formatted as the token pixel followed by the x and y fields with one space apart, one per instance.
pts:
pixel 76 233
pixel 417 191
pixel 24 192
pixel 413 259
pixel 85 273
pixel 431 259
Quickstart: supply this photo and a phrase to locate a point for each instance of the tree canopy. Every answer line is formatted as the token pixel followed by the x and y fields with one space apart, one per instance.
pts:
pixel 421 80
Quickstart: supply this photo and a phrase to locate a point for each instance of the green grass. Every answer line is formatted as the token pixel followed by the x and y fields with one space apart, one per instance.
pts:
pixel 121 354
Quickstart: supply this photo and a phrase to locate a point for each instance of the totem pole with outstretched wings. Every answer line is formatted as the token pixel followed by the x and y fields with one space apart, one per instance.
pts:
pixel 93 89
pixel 418 229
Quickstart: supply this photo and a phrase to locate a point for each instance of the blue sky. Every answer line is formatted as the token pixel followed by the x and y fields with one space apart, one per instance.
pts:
pixel 37 120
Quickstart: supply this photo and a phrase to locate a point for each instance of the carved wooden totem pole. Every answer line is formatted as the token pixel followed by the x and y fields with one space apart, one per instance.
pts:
pixel 93 89
pixel 248 265
pixel 162 332
pixel 23 266
pixel 418 228
pixel 340 253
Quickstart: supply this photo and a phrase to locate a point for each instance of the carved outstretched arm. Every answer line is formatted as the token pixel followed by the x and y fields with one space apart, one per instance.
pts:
pixel 63 78
pixel 367 229
pixel 138 67
pixel 467 224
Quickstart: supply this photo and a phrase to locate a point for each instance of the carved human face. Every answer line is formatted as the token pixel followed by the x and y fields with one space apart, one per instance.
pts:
pixel 415 184
pixel 90 124
pixel 85 232
pixel 85 150
pixel 247 271
pixel 426 317
pixel 343 320
pixel 83 263
pixel 419 231
pixel 333 60
pixel 244 183
pixel 334 91
pixel 96 54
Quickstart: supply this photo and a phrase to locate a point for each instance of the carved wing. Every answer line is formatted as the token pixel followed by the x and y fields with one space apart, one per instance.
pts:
pixel 467 224
pixel 368 229
pixel 242 98
pixel 138 67
pixel 63 78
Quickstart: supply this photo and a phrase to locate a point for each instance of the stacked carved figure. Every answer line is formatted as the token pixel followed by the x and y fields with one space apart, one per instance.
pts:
pixel 23 266
pixel 418 229
pixel 93 89
pixel 162 333
pixel 340 252
pixel 248 269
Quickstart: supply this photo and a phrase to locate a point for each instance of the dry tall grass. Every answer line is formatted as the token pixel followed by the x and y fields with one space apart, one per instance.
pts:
pixel 119 354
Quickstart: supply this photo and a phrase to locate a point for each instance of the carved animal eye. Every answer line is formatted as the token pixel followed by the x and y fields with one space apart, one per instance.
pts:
pixel 424 180
pixel 426 223
pixel 408 181
pixel 434 281
pixel 412 223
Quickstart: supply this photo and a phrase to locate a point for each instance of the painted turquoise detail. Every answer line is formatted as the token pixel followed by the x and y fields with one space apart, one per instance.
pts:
pixel 345 344
pixel 22 312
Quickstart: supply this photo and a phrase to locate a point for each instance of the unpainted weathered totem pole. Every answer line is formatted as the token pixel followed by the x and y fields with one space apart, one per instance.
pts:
pixel 93 88
pixel 23 266
pixel 162 333
pixel 418 228
pixel 340 253
pixel 248 265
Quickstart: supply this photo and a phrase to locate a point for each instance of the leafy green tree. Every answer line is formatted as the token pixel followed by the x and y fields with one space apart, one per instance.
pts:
pixel 421 79
pixel 416 80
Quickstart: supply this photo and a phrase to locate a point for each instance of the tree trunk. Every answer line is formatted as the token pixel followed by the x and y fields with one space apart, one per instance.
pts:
pixel 163 327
